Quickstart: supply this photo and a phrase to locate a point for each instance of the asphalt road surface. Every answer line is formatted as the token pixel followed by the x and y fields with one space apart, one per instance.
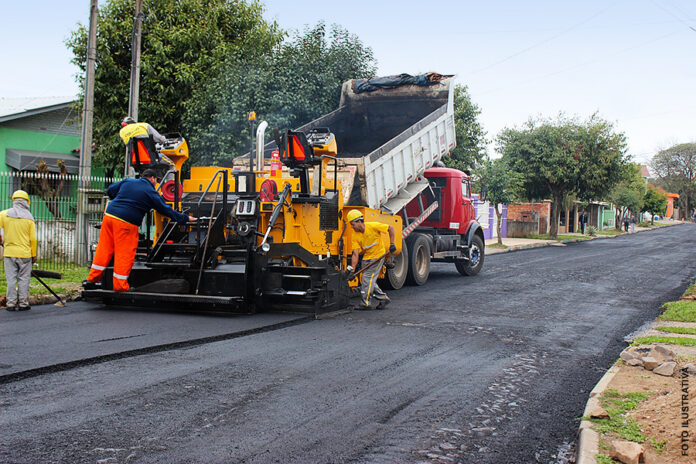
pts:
pixel 490 369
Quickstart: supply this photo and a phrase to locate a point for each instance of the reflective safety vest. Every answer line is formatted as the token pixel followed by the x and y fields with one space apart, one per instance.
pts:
pixel 131 130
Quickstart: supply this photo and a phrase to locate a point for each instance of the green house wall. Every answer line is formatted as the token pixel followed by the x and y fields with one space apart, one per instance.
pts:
pixel 38 141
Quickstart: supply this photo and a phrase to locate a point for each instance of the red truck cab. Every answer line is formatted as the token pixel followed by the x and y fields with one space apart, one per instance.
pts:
pixel 439 225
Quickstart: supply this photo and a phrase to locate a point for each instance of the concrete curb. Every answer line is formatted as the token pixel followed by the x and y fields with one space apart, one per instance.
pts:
pixel 588 439
pixel 563 242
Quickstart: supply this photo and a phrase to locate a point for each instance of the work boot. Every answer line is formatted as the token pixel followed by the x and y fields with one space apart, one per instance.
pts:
pixel 23 308
pixel 89 285
pixel 10 308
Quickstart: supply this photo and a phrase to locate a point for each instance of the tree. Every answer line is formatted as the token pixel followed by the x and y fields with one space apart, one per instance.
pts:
pixel 501 186
pixel 628 193
pixel 675 169
pixel 300 80
pixel 564 157
pixel 654 202
pixel 185 43
pixel 471 138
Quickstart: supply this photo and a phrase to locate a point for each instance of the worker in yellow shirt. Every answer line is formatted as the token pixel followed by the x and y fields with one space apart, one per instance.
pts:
pixel 130 128
pixel 367 240
pixel 19 242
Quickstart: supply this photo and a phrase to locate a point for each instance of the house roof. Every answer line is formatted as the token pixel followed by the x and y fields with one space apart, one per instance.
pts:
pixel 26 160
pixel 16 108
pixel 644 171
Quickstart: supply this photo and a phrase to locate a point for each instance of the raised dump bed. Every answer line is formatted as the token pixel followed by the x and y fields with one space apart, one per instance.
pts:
pixel 387 138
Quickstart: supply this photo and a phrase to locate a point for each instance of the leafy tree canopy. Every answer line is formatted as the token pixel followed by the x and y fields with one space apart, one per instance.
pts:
pixel 185 43
pixel 500 183
pixel 563 157
pixel 471 138
pixel 298 81
pixel 628 194
pixel 675 170
pixel 654 202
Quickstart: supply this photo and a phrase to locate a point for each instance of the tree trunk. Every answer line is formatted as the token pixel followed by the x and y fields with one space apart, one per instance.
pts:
pixel 555 215
pixel 498 226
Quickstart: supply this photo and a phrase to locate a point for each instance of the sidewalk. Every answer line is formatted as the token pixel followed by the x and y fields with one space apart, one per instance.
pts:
pixel 639 411
pixel 513 244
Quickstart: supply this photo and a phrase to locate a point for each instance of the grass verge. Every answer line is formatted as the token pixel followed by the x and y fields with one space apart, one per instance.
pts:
pixel 71 282
pixel 497 245
pixel 604 459
pixel 558 237
pixel 691 291
pixel 682 311
pixel 610 232
pixel 654 339
pixel 619 424
pixel 678 330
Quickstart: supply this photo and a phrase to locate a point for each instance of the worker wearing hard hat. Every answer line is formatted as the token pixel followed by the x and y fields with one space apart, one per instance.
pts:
pixel 130 129
pixel 367 240
pixel 131 200
pixel 19 242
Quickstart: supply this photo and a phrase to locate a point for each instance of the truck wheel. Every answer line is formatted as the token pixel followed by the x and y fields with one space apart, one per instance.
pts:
pixel 473 266
pixel 418 259
pixel 396 277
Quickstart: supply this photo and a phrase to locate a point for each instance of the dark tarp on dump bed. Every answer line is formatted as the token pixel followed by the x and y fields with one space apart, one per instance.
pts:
pixel 389 82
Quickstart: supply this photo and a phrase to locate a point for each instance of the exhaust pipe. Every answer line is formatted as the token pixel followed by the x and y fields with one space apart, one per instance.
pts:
pixel 259 144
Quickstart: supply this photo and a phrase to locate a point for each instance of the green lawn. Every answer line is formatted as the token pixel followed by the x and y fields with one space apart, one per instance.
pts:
pixel 616 405
pixel 678 330
pixel 611 231
pixel 559 237
pixel 654 339
pixel 72 278
pixel 683 311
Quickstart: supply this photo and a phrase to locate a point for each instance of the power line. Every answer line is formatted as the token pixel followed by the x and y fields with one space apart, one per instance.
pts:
pixel 684 22
pixel 548 39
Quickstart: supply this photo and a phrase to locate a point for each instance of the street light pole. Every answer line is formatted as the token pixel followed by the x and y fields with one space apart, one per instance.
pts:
pixel 135 70
pixel 85 170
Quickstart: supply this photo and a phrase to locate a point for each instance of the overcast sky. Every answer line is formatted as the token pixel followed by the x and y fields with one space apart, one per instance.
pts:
pixel 632 61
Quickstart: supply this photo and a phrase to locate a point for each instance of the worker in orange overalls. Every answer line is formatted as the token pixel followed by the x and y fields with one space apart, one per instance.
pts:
pixel 131 200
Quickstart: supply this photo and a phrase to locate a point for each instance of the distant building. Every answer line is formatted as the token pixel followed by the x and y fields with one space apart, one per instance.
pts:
pixel 36 129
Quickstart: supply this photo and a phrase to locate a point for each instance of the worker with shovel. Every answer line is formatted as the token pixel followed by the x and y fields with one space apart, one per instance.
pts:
pixel 19 242
pixel 367 240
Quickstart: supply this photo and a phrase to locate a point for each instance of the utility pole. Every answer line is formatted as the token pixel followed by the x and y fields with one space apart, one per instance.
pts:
pixel 85 170
pixel 135 71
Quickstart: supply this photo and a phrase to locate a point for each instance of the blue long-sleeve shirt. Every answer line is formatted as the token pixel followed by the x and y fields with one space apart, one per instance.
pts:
pixel 131 199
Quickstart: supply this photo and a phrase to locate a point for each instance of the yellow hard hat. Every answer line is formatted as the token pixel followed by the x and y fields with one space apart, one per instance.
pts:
pixel 354 214
pixel 21 194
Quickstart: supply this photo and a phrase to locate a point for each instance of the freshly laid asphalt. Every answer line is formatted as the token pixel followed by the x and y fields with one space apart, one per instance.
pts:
pixel 488 369
pixel 49 338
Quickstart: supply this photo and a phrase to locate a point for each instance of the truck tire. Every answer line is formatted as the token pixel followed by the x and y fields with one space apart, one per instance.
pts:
pixel 396 277
pixel 472 267
pixel 418 259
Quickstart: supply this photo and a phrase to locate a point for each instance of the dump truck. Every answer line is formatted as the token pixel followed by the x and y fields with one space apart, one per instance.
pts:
pixel 276 239
pixel 390 145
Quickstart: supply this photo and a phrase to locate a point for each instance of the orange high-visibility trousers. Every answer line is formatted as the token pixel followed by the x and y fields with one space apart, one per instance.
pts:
pixel 118 239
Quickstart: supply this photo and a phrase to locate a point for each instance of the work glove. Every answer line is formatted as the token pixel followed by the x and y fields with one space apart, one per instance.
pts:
pixel 392 248
pixel 350 275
